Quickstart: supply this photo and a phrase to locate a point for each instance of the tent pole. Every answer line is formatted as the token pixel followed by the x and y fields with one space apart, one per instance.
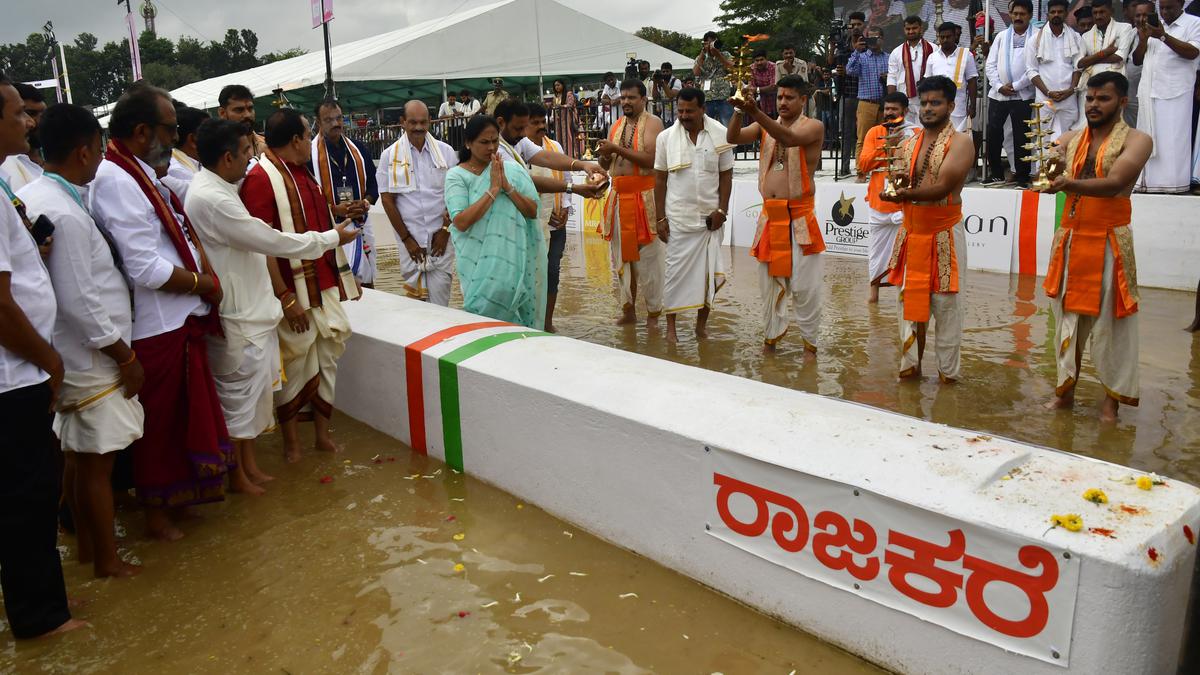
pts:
pixel 537 27
pixel 445 97
pixel 62 53
pixel 329 90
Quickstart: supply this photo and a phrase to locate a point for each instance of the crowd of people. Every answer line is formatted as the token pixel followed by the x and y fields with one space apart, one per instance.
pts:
pixel 177 291
pixel 1033 72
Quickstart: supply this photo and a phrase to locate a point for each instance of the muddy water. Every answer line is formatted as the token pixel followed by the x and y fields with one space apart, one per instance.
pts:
pixel 1008 367
pixel 358 575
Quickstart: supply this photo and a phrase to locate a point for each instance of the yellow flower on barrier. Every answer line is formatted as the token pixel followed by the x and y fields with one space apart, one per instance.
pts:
pixel 1145 482
pixel 1095 496
pixel 1072 522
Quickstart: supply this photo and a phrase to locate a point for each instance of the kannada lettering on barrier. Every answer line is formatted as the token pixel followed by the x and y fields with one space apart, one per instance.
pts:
pixel 991 586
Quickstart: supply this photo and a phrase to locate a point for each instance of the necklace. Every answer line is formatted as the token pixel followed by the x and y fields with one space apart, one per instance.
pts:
pixel 780 154
pixel 628 132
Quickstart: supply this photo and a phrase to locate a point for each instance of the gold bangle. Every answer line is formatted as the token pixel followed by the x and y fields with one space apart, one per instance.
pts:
pixel 132 358
pixel 195 283
pixel 489 195
pixel 289 305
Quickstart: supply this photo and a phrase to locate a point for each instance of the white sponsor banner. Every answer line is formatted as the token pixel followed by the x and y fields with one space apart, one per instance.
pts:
pixel 1015 593
pixel 843 215
pixel 990 218
pixel 745 205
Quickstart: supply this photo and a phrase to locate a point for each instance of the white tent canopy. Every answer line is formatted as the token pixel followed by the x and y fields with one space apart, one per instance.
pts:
pixel 495 40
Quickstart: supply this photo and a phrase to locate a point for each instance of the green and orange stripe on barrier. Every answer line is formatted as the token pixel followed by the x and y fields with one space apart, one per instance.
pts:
pixel 1028 226
pixel 448 385
pixel 415 383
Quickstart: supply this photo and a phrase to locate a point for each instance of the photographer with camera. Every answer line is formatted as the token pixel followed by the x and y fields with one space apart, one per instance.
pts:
pixel 712 68
pixel 842 37
pixel 664 87
pixel 870 65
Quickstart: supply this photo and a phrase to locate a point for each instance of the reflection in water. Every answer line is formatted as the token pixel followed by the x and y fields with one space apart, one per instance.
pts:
pixel 1008 370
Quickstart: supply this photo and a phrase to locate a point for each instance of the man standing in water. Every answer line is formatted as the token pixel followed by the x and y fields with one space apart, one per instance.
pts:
pixel 929 261
pixel 692 182
pixel 789 242
pixel 629 212
pixel 1092 278
pixel 884 218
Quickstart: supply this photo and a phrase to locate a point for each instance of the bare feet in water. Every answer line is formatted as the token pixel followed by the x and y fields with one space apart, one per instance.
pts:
pixel 326 444
pixel 239 482
pixel 1060 402
pixel 67 627
pixel 120 569
pixel 1108 409
pixel 628 316
pixel 258 476
pixel 160 527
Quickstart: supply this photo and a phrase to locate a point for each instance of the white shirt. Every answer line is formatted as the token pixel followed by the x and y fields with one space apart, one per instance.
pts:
pixel 1056 72
pixel 93 298
pixel 692 192
pixel 448 109
pixel 469 108
pixel 896 76
pixel 613 92
pixel 546 200
pixel 120 206
pixel 237 245
pixel 423 207
pixel 522 152
pixel 800 66
pixel 1122 34
pixel 1006 65
pixel 29 284
pixel 180 173
pixel 19 171
pixel 928 14
pixel 960 71
pixel 1172 75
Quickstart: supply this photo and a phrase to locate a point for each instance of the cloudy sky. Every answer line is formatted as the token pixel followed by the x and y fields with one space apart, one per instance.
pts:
pixel 282 24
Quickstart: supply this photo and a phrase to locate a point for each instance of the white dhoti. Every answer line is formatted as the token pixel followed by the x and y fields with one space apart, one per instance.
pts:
pixel 884 227
pixel 1114 341
pixel 310 358
pixel 946 311
pixel 93 415
pixel 1169 169
pixel 961 122
pixel 649 270
pixel 360 253
pixel 431 279
pixel 797 298
pixel 694 269
pixel 1062 117
pixel 246 375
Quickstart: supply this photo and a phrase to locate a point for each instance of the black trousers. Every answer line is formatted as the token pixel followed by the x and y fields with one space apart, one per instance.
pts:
pixel 558 244
pixel 1020 113
pixel 35 596
pixel 849 125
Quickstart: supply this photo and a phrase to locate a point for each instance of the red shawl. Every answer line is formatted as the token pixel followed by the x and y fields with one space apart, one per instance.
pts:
pixel 910 79
pixel 120 155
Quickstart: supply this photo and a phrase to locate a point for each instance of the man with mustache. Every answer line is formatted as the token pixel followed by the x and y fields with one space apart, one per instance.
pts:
pixel 1168 47
pixel 1092 279
pixel 346 171
pixel 183 455
pixel 1051 68
pixel 22 169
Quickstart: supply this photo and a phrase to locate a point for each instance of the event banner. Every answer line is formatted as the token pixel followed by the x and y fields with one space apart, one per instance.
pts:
pixel 989 219
pixel 1015 593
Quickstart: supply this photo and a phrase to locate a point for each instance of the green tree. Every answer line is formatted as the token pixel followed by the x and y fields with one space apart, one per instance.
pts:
pixel 795 24
pixel 272 57
pixel 674 40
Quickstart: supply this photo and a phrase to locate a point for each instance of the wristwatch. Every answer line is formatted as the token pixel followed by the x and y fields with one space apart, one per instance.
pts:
pixel 722 212
pixel 570 189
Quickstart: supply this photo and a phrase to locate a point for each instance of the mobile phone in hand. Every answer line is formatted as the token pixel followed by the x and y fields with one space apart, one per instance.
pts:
pixel 42 229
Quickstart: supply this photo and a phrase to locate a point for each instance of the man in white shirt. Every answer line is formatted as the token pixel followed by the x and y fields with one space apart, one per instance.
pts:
pixel 31 373
pixel 1050 66
pixel 1011 94
pixel 610 102
pixel 182 457
pixel 1167 50
pixel 953 11
pixel 245 357
pixel 98 412
pixel 693 178
pixel 469 106
pixel 21 169
pixel 185 162
pixel 907 63
pixel 512 117
pixel 449 108
pixel 412 178
pixel 958 64
pixel 1106 46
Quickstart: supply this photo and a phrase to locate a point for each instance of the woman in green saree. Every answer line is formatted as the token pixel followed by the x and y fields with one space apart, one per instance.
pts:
pixel 498 244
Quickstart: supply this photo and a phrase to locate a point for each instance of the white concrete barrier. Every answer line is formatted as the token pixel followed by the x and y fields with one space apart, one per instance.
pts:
pixel 920 547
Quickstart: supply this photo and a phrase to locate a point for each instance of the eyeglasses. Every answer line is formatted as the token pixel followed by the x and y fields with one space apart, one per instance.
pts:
pixel 172 128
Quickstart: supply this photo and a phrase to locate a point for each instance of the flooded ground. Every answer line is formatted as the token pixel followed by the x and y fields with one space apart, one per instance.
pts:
pixel 1007 374
pixel 360 574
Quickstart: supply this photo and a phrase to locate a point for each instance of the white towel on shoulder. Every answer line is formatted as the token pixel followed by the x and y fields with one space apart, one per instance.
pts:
pixel 677 140
pixel 399 174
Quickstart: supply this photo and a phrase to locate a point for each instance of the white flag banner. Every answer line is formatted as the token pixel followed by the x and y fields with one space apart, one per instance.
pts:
pixel 1015 593
pixel 135 56
pixel 322 11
